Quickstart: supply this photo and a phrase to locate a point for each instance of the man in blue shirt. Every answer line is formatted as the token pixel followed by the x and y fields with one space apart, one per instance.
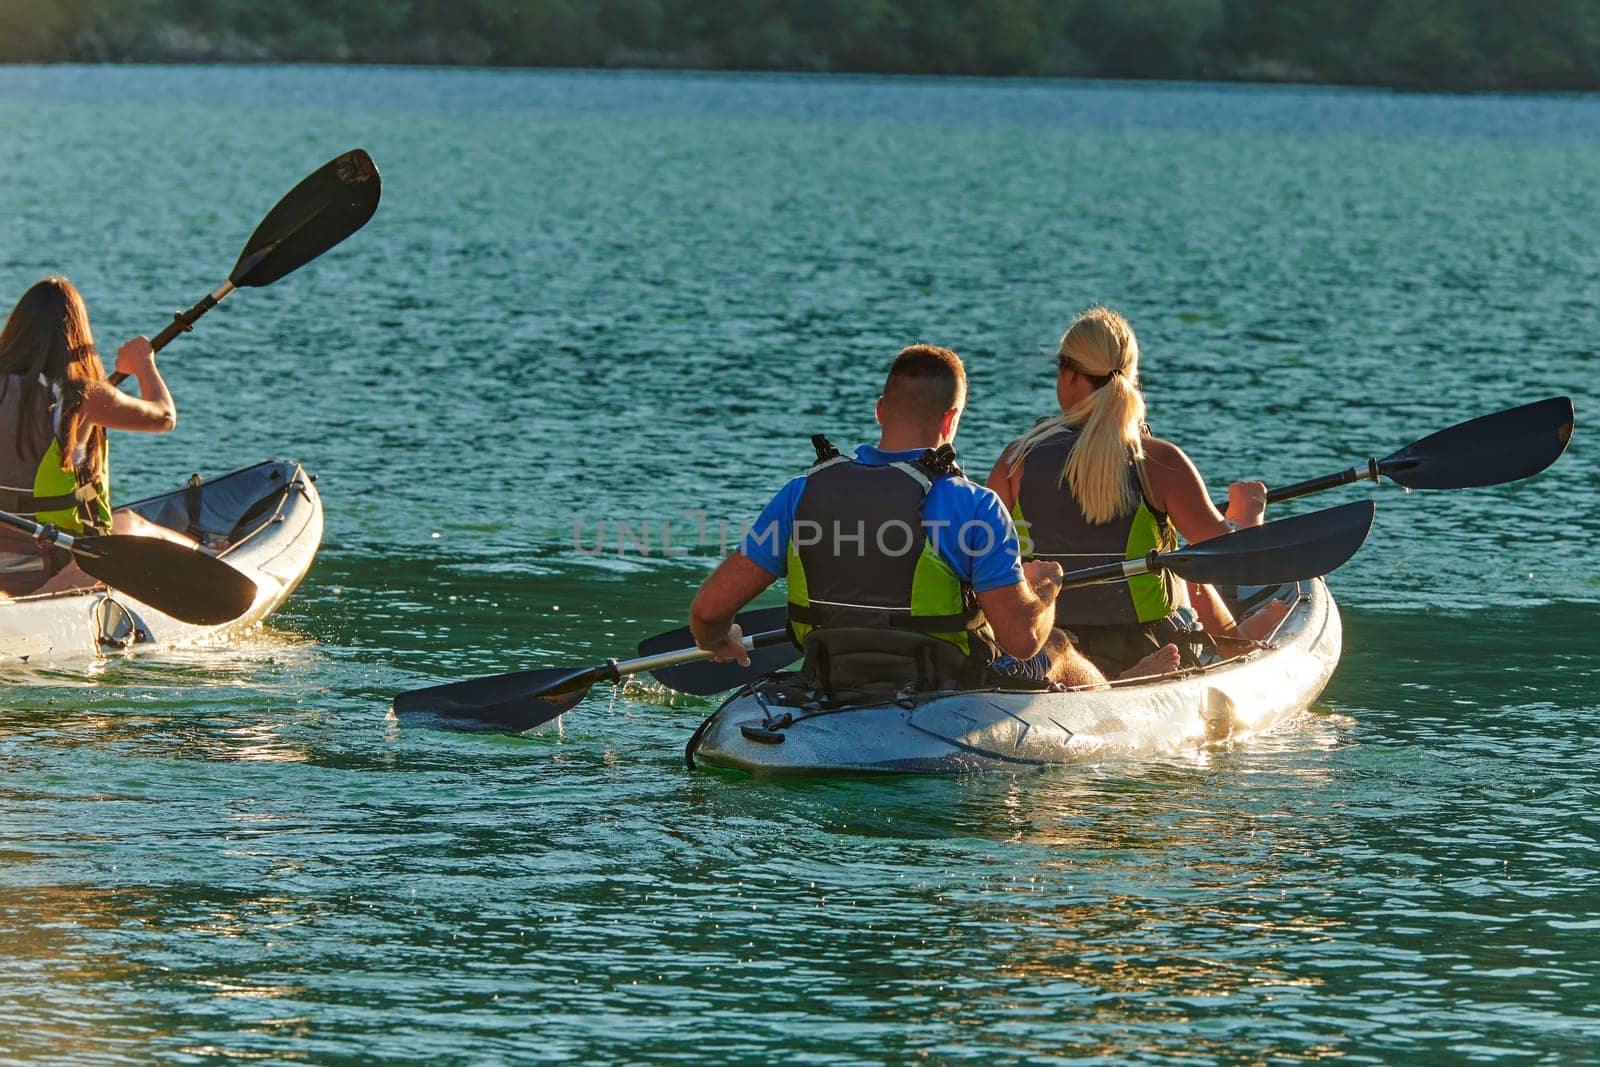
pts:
pixel 895 538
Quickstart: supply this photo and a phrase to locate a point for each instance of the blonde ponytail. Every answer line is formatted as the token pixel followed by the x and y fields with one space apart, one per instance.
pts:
pixel 1099 344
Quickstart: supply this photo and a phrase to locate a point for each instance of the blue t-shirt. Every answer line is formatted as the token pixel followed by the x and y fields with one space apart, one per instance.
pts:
pixel 965 522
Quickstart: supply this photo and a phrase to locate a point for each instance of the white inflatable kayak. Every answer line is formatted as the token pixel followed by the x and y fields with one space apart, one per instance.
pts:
pixel 269 517
pixel 993 729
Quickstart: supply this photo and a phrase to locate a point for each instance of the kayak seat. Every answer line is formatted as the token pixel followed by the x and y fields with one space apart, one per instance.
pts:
pixel 1243 599
pixel 848 664
pixel 262 508
pixel 226 510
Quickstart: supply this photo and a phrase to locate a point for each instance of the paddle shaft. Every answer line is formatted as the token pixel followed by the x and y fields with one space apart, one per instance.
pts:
pixel 1328 481
pixel 38 532
pixel 616 670
pixel 1152 563
pixel 324 208
pixel 1367 472
pixel 1110 572
pixel 1273 553
pixel 183 322
pixel 1493 449
pixel 1284 551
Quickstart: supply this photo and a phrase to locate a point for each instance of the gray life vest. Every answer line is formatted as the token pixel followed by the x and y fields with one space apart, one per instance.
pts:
pixel 860 555
pixel 1052 526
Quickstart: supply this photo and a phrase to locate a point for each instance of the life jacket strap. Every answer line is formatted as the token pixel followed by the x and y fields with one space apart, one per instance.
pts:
pixel 940 462
pixel 917 473
pixel 191 506
pixel 933 464
pixel 22 502
pixel 823 613
pixel 1148 495
pixel 827 455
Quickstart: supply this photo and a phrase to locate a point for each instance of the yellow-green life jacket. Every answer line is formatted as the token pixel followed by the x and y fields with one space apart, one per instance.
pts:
pixel 79 506
pixel 32 481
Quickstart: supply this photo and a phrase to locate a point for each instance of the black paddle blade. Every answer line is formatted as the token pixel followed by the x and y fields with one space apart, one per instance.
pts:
pixel 174 579
pixel 330 204
pixel 1306 546
pixel 503 703
pixel 703 678
pixel 1503 447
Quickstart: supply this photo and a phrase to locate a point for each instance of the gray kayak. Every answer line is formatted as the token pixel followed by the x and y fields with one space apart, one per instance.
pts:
pixel 763 729
pixel 265 521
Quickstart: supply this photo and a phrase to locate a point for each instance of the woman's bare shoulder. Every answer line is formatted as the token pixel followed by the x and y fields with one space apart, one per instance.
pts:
pixel 1164 453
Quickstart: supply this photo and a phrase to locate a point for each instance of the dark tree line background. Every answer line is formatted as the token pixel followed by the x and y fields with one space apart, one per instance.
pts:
pixel 1450 44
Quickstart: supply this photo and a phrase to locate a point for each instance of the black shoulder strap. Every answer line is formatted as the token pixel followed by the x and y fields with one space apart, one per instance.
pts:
pixel 939 462
pixel 827 455
pixel 1143 478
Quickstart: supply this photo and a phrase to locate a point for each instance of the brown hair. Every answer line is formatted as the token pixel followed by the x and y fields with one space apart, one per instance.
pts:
pixel 48 335
pixel 925 382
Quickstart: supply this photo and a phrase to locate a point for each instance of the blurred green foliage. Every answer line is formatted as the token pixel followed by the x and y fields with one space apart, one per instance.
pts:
pixel 1456 44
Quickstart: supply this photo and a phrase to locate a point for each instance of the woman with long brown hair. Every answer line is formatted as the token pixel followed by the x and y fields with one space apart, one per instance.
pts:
pixel 55 407
pixel 1091 486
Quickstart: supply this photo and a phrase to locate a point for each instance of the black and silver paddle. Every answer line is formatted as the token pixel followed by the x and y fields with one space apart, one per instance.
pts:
pixel 329 204
pixel 1287 550
pixel 174 579
pixel 521 700
pixel 702 678
pixel 1504 447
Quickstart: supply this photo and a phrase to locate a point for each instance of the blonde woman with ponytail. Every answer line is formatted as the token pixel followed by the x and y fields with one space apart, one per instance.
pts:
pixel 1091 486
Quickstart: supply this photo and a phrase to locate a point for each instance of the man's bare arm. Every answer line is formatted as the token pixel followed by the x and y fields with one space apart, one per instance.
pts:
pixel 734 583
pixel 1022 615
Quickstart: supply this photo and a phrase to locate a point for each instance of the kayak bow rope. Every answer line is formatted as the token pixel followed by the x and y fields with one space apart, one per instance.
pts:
pixel 1288 550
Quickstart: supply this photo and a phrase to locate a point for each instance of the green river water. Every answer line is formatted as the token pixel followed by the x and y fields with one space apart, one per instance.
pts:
pixel 627 298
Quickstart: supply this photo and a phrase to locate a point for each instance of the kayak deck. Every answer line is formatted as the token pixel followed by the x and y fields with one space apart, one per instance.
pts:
pixel 998 729
pixel 266 521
